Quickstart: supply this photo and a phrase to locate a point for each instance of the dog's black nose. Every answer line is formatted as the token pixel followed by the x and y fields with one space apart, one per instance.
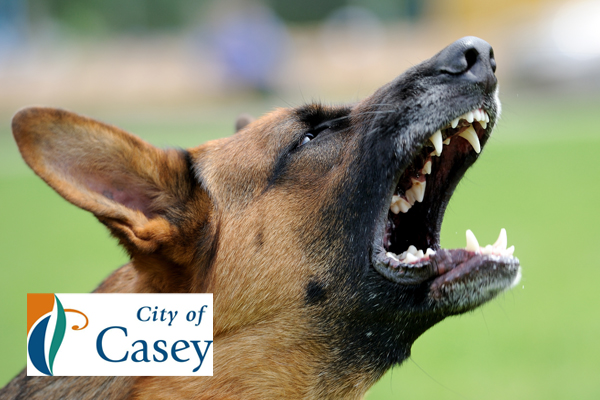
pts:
pixel 471 58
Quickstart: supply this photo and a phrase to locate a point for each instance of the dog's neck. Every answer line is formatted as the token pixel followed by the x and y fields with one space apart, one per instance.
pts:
pixel 280 357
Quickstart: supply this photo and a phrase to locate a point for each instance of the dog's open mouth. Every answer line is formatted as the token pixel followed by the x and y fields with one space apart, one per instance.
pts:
pixel 410 251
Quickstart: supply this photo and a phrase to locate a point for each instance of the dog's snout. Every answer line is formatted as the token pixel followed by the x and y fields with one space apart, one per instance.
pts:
pixel 471 58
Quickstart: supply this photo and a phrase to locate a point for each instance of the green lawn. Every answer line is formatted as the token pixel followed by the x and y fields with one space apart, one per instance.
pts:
pixel 538 177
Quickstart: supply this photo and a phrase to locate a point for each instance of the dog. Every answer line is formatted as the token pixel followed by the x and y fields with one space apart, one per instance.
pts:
pixel 316 228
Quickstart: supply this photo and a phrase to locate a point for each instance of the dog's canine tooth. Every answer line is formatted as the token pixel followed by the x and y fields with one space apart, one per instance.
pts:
pixel 437 141
pixel 483 124
pixel 472 243
pixel 455 122
pixel 426 170
pixel 391 255
pixel 471 136
pixel 429 252
pixel 502 241
pixel 411 196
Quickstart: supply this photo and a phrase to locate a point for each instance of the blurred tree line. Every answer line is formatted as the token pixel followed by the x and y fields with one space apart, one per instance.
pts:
pixel 97 16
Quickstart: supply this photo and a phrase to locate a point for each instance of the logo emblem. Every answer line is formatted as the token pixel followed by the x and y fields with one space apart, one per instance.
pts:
pixel 46 325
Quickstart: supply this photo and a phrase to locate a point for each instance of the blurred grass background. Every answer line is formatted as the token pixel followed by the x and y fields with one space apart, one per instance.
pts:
pixel 538 176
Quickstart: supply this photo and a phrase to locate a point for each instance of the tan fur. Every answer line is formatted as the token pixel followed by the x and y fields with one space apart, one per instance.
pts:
pixel 263 340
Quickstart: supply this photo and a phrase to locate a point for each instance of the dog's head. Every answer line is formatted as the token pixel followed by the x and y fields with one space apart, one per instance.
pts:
pixel 312 217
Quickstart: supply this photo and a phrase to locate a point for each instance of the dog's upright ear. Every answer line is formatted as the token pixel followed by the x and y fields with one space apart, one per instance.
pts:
pixel 130 185
pixel 242 121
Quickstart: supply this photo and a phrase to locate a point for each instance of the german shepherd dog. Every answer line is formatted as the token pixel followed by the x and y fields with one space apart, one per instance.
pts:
pixel 316 228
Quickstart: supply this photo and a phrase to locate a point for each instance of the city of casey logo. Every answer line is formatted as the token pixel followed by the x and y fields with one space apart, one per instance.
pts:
pixel 119 334
pixel 46 323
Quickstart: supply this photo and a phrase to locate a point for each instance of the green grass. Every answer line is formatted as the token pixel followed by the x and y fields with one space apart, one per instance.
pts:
pixel 538 178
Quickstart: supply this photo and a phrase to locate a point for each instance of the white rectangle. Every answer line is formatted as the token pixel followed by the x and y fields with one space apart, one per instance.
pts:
pixel 128 335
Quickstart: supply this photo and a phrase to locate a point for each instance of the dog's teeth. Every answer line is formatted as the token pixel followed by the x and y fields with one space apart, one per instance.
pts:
pixel 430 252
pixel 481 116
pixel 420 254
pixel 487 249
pixel 455 122
pixel 394 207
pixel 447 141
pixel 472 244
pixel 399 204
pixel 487 117
pixel 404 205
pixel 498 248
pixel 483 124
pixel 412 250
pixel 437 141
pixel 410 258
pixel 410 196
pixel 469 117
pixel 509 252
pixel 426 170
pixel 502 241
pixel 472 138
pixel 391 255
pixel 417 190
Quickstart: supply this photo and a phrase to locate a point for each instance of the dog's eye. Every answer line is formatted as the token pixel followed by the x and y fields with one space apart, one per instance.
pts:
pixel 307 138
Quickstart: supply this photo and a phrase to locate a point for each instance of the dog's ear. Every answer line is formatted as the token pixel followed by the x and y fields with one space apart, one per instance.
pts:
pixel 127 183
pixel 242 120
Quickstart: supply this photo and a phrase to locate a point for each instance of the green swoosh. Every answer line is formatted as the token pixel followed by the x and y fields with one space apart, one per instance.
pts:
pixel 59 333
